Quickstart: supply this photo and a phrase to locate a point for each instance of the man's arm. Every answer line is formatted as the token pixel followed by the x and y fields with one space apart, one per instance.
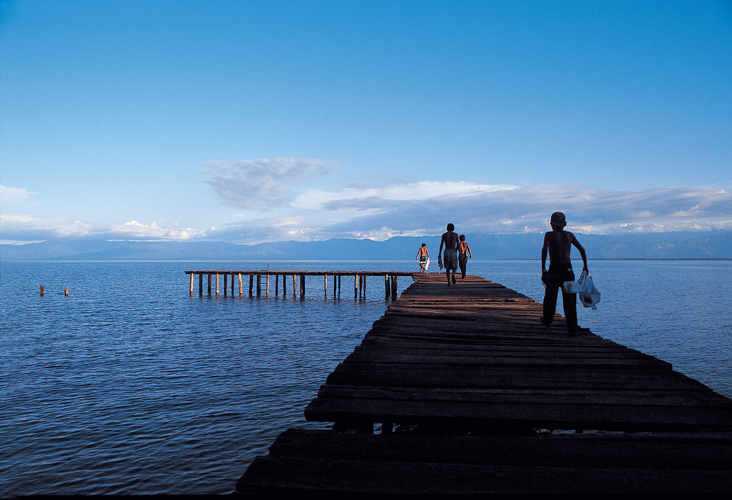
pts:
pixel 543 254
pixel 582 252
pixel 442 242
pixel 469 252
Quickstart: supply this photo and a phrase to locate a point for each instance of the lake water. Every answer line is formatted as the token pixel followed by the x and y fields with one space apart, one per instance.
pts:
pixel 131 386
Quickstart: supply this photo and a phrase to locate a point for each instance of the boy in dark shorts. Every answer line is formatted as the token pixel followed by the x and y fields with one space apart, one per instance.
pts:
pixel 450 240
pixel 558 244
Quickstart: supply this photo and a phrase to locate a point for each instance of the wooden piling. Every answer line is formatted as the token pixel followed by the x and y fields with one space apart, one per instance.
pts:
pixel 232 285
pixel 277 285
pixel 200 284
pixel 284 285
pixel 209 283
pixel 325 284
pixel 217 284
pixel 240 286
pixel 302 285
pixel 294 286
pixel 251 282
pixel 226 282
pixel 191 286
pixel 259 285
pixel 387 291
pixel 66 292
pixel 42 291
pixel 266 293
pixel 355 286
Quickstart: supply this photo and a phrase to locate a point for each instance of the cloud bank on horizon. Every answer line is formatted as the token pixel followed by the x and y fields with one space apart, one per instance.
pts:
pixel 274 207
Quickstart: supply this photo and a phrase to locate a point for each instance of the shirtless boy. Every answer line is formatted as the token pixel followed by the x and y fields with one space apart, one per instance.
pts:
pixel 558 243
pixel 450 240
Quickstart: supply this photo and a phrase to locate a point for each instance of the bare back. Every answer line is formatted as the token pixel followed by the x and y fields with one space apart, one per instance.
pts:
pixel 450 239
pixel 559 245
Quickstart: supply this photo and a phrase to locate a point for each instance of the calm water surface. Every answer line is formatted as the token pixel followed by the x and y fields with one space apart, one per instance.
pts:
pixel 130 386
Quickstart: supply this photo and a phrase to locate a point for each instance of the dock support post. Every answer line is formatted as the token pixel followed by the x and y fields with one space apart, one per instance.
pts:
pixel 387 288
pixel 277 285
pixel 191 286
pixel 209 283
pixel 284 285
pixel 200 284
pixel 355 286
pixel 335 287
pixel 302 285
pixel 226 282
pixel 251 285
pixel 325 283
pixel 266 292
pixel 339 285
pixel 232 284
pixel 394 287
pixel 259 285
pixel 240 286
pixel 217 284
pixel 363 286
pixel 294 285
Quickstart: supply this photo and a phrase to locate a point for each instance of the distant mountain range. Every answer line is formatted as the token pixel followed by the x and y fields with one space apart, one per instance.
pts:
pixel 687 245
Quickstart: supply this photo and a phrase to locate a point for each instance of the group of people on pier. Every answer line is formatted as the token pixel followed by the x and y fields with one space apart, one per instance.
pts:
pixel 557 246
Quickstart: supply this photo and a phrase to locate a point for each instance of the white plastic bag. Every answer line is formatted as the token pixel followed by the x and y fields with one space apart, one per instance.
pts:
pixel 589 295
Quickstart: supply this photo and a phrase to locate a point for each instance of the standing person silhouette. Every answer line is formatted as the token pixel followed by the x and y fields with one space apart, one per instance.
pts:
pixel 450 240
pixel 558 243
pixel 423 256
pixel 463 251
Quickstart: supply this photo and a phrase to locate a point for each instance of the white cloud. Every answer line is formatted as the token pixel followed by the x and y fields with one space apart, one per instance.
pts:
pixel 47 227
pixel 9 194
pixel 262 185
pixel 134 229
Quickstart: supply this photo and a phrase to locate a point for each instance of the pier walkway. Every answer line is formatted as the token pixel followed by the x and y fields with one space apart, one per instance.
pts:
pixel 459 391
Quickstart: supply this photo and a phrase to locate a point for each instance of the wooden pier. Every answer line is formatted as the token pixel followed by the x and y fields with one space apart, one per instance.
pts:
pixel 259 281
pixel 460 392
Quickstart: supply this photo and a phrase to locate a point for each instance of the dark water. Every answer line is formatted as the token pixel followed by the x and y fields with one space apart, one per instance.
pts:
pixel 130 386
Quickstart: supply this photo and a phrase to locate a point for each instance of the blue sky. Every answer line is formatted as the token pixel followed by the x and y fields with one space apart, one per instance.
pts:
pixel 264 121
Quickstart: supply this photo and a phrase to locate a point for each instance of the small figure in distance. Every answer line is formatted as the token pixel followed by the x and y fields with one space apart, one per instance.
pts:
pixel 450 240
pixel 463 251
pixel 558 243
pixel 423 256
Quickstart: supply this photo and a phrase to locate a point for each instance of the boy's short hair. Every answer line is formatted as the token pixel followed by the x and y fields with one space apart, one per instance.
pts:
pixel 451 227
pixel 462 237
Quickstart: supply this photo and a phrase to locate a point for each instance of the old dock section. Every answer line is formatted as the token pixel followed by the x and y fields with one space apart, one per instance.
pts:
pixel 259 281
pixel 459 391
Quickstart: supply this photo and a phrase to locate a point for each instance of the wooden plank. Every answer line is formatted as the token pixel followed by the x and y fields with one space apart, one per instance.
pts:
pixel 291 477
pixel 629 418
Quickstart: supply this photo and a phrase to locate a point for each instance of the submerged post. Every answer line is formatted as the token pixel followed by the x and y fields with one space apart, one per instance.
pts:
pixel 42 291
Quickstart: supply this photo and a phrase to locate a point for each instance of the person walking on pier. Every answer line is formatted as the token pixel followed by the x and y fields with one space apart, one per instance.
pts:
pixel 423 256
pixel 450 240
pixel 558 244
pixel 463 251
